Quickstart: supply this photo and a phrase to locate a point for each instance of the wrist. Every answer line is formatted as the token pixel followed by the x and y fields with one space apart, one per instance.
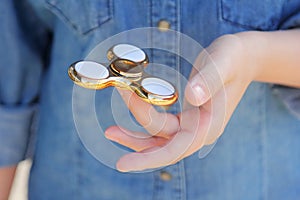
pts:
pixel 254 44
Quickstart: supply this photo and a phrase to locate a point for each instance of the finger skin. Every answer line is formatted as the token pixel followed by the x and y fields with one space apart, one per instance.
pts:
pixel 203 85
pixel 196 126
pixel 134 140
pixel 156 123
pixel 170 153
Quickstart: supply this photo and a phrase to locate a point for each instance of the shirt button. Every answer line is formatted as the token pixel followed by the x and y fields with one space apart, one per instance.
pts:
pixel 165 176
pixel 163 25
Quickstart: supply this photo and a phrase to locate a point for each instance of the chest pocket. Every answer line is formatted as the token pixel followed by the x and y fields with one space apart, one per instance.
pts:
pixel 82 15
pixel 257 15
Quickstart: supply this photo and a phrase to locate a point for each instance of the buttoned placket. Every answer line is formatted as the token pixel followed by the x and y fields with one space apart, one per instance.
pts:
pixel 169 182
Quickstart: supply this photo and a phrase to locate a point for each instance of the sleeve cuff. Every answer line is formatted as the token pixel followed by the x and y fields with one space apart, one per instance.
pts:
pixel 292 22
pixel 15 129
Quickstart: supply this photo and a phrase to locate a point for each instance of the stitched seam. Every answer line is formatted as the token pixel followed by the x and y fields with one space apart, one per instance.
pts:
pixel 61 15
pixel 244 26
pixel 83 31
pixel 264 139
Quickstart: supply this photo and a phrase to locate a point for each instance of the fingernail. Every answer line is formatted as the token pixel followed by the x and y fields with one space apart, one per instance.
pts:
pixel 120 168
pixel 199 93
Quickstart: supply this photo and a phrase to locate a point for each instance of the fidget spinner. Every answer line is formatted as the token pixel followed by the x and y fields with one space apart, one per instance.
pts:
pixel 125 70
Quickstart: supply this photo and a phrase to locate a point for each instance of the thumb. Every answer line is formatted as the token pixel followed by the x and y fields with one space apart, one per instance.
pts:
pixel 203 85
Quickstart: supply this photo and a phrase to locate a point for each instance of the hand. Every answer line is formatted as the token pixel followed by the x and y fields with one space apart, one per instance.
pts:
pixel 216 85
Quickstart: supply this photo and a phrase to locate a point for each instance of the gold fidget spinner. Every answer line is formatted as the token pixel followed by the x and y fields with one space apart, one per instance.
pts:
pixel 125 70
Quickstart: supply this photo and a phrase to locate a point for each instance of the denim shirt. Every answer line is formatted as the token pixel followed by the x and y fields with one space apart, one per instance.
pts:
pixel 257 156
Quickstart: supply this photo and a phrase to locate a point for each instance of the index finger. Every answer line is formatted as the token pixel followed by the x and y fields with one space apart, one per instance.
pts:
pixel 156 157
pixel 179 147
pixel 156 123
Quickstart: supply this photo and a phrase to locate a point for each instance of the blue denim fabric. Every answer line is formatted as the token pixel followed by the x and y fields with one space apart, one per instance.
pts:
pixel 257 157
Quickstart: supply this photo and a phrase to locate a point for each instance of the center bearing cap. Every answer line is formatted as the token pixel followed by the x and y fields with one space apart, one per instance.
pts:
pixel 127 68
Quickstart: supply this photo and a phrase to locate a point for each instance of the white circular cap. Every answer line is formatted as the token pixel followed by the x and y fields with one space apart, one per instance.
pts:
pixel 129 52
pixel 158 86
pixel 91 70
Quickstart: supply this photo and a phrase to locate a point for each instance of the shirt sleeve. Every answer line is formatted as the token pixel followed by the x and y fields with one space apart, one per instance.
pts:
pixel 22 51
pixel 290 20
pixel 290 15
